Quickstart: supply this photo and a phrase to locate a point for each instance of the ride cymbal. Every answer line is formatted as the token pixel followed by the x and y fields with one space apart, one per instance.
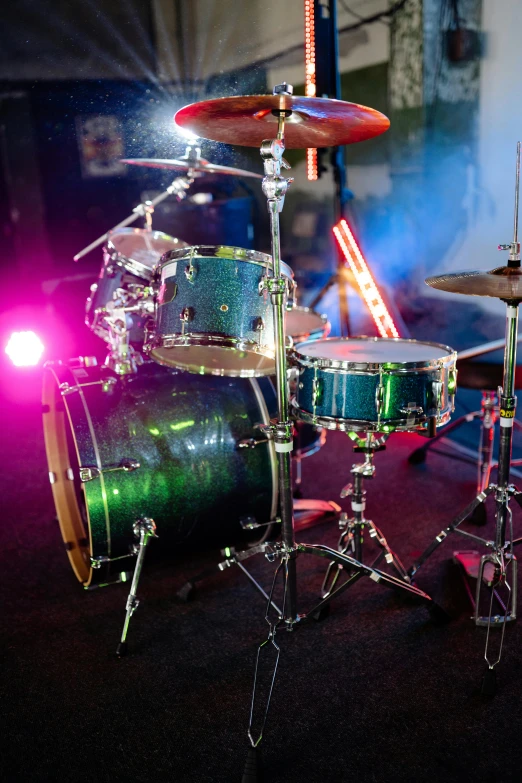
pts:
pixel 248 120
pixel 200 165
pixel 504 282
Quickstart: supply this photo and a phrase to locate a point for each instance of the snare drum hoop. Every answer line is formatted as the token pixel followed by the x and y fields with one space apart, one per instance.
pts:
pixel 225 252
pixel 321 331
pixel 361 367
pixel 362 425
pixel 128 263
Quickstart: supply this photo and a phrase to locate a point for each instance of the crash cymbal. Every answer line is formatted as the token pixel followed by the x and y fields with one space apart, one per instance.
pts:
pixel 199 165
pixel 248 120
pixel 505 282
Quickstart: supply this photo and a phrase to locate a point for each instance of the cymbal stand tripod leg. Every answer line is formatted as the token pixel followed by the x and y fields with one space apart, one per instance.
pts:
pixel 497 571
pixel 144 529
pixel 274 188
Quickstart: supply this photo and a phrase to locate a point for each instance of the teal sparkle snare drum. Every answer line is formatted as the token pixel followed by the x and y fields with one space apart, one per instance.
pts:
pixel 162 444
pixel 213 312
pixel 374 384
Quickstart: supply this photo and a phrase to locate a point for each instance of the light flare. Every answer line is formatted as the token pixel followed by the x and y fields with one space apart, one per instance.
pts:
pixel 25 349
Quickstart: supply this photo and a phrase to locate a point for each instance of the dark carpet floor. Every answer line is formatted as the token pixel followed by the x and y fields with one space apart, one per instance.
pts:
pixel 374 693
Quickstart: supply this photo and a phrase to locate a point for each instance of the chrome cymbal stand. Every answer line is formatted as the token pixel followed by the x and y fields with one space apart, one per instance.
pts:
pixel 145 209
pixel 144 529
pixel 497 570
pixel 274 188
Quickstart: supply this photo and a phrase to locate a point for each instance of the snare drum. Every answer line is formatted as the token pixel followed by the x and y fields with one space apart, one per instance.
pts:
pixel 213 312
pixel 128 260
pixel 374 384
pixel 305 324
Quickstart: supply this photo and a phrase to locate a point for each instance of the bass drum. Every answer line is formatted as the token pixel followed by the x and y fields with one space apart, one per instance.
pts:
pixel 159 444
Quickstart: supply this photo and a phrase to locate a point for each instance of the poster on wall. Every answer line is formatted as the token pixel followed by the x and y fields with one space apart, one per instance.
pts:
pixel 100 140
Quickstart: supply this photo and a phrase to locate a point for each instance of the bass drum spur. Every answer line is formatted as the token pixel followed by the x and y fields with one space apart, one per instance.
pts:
pixel 161 444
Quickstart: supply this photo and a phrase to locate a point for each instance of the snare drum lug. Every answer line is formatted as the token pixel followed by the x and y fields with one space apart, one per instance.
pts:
pixel 52 477
pixel 379 398
pixel 259 324
pixel 436 388
pixel 317 391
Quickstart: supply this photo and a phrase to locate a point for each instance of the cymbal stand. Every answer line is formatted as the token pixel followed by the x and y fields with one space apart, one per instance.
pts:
pixel 145 209
pixel 497 570
pixel 274 188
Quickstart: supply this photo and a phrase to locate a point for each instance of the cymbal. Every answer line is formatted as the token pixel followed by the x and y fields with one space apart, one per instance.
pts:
pixel 247 120
pixel 504 282
pixel 200 165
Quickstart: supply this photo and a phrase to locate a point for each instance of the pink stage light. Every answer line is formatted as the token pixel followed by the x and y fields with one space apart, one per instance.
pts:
pixel 364 278
pixel 25 349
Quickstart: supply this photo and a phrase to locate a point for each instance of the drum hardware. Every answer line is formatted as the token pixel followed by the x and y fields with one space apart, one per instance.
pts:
pixel 301 122
pixel 213 314
pixel 351 540
pixel 487 415
pixel 90 473
pixel 144 529
pixel 145 209
pixel 497 570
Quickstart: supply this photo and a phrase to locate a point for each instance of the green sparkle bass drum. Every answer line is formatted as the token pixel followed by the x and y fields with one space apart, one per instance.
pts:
pixel 181 449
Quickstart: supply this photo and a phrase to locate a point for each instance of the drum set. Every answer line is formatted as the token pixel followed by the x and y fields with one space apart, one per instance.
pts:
pixel 187 430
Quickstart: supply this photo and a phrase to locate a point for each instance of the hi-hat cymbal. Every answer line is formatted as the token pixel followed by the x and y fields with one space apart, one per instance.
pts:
pixel 199 165
pixel 505 282
pixel 248 120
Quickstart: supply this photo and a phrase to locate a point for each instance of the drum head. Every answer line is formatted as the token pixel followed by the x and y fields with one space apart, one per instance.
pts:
pixel 368 350
pixel 143 247
pixel 214 360
pixel 301 322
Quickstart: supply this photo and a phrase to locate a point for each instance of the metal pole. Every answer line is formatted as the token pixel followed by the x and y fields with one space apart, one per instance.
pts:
pixel 275 187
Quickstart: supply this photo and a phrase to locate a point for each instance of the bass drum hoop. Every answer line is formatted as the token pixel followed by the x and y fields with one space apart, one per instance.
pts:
pixel 56 419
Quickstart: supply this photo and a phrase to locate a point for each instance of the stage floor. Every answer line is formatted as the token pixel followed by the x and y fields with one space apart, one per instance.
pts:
pixel 374 693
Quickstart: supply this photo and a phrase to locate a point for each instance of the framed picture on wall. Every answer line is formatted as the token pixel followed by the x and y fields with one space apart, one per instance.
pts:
pixel 101 145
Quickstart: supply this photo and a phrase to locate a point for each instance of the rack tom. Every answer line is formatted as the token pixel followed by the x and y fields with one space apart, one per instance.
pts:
pixel 374 384
pixel 128 260
pixel 213 312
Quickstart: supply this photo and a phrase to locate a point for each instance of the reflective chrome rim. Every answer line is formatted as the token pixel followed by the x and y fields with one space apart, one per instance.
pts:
pixel 130 264
pixel 222 252
pixel 323 363
pixel 359 425
pixel 231 344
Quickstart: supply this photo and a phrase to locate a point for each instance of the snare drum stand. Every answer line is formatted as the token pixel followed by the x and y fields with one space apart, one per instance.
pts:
pixel 274 188
pixel 351 540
